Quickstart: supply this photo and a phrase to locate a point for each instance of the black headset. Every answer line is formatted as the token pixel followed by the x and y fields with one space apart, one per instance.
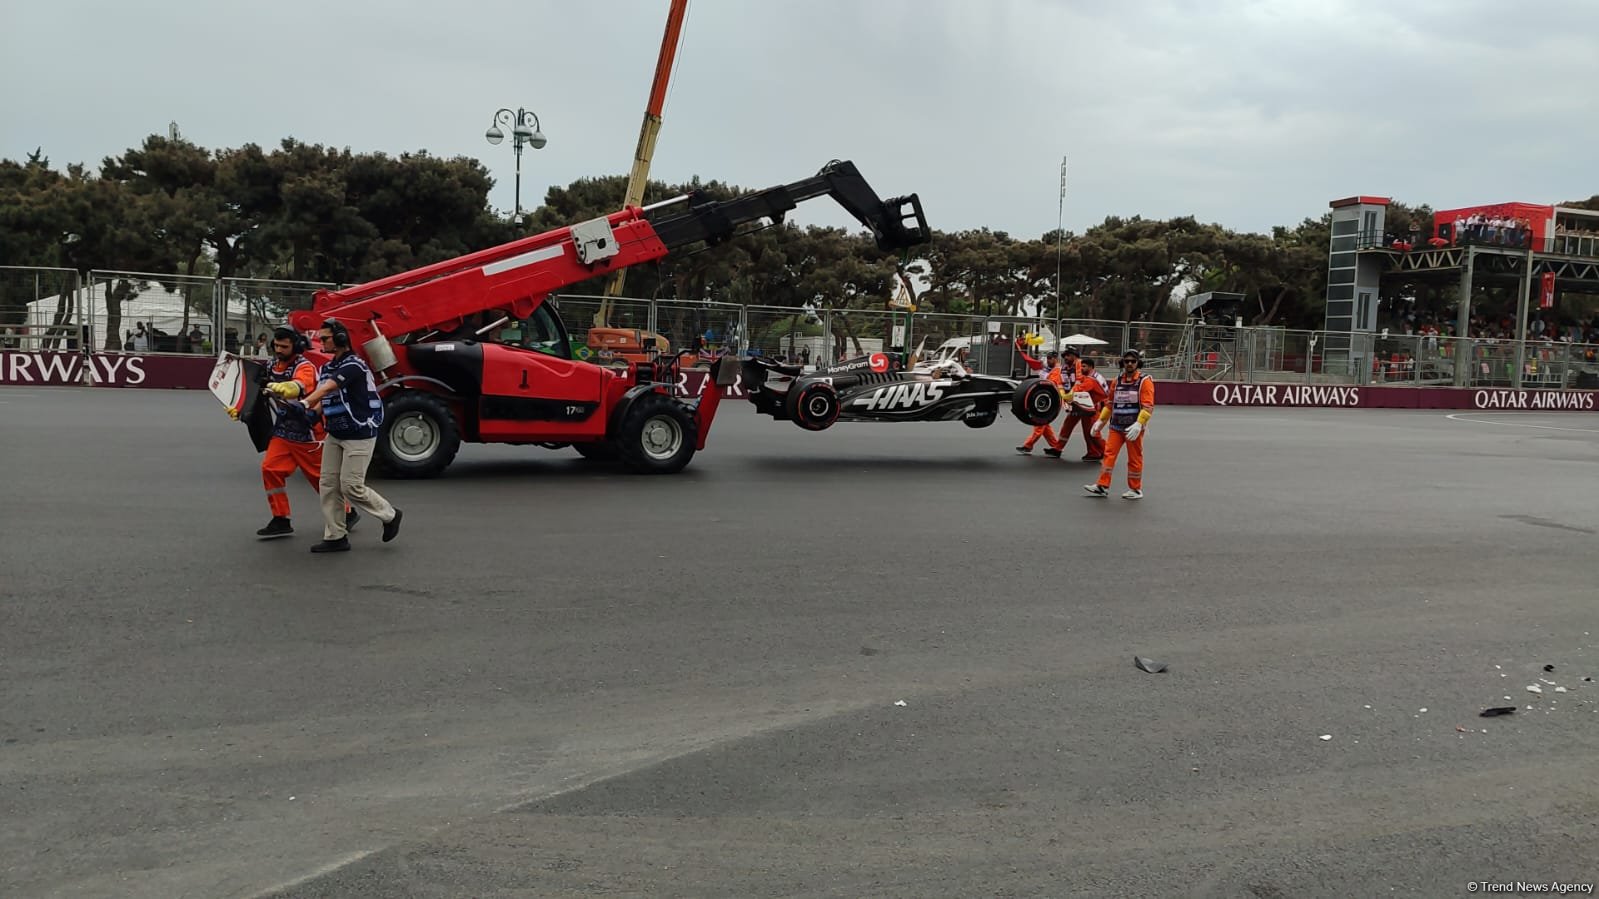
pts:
pixel 341 335
pixel 295 339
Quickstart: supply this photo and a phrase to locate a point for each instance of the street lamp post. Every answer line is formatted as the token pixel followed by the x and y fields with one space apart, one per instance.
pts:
pixel 525 129
pixel 1060 233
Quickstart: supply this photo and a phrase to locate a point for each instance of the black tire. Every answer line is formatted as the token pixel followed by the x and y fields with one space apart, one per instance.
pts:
pixel 604 451
pixel 1036 402
pixel 419 437
pixel 656 435
pixel 813 406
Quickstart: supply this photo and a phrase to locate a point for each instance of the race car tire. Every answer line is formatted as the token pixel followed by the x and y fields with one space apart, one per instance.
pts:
pixel 656 435
pixel 814 406
pixel 977 419
pixel 1036 402
pixel 419 437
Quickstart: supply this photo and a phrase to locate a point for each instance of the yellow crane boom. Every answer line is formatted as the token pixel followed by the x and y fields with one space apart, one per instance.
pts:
pixel 640 176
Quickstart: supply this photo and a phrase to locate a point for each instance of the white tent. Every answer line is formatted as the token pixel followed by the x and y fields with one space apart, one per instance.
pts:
pixel 1082 340
pixel 155 306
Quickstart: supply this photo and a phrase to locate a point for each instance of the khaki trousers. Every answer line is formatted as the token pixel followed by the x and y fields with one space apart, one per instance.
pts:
pixel 344 464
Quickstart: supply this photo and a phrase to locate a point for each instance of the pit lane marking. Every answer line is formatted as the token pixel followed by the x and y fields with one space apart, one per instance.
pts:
pixel 1457 416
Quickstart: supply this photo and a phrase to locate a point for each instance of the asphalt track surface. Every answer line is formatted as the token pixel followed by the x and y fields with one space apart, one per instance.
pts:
pixel 562 680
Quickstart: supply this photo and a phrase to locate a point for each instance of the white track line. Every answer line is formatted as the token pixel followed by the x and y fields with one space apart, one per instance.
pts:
pixel 1513 424
pixel 328 868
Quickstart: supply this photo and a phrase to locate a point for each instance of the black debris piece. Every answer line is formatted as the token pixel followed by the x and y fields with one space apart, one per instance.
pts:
pixel 1548 667
pixel 1496 712
pixel 1150 665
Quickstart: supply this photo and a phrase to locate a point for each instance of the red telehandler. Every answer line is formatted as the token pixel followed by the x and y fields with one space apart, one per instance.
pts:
pixel 435 336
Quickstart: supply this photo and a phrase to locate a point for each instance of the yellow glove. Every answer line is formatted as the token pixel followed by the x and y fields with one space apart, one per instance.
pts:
pixel 286 389
pixel 233 413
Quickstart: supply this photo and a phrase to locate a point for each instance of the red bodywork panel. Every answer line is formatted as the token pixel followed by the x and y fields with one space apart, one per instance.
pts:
pixel 543 398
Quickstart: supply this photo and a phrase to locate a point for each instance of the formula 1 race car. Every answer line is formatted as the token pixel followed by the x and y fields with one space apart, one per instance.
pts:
pixel 879 387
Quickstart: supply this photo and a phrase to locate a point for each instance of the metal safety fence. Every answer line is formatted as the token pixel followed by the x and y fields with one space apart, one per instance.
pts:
pixel 250 308
pixel 145 312
pixel 44 309
pixel 41 309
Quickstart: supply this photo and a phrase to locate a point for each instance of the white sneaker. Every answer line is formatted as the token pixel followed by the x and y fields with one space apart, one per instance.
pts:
pixel 1133 494
pixel 1096 490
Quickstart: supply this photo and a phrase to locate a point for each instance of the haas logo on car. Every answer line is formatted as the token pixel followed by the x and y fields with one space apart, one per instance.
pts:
pixel 902 396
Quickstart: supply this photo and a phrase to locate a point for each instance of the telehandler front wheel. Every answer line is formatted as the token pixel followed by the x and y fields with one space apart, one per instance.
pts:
pixel 419 437
pixel 656 435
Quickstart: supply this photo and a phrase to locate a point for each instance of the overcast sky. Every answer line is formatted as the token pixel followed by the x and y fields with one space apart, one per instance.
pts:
pixel 1249 113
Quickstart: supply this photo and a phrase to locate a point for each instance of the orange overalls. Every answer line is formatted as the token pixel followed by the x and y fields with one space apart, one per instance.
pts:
pixel 294 444
pixel 1128 400
pixel 1078 416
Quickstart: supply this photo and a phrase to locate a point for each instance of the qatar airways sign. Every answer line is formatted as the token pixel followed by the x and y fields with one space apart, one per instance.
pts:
pixel 1179 393
pixel 68 369
pixel 1558 400
pixel 1283 395
pixel 693 382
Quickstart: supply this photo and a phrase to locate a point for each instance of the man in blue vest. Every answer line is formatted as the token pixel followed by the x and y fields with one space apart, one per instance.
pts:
pixel 1132 402
pixel 352 412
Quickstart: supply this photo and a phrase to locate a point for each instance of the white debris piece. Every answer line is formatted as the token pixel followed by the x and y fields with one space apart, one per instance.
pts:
pixel 1534 688
pixel 899 702
pixel 1560 689
pixel 1326 736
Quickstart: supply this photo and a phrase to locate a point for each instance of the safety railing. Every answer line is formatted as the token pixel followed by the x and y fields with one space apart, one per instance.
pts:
pixel 251 308
pixel 1582 244
pixel 144 312
pixel 41 309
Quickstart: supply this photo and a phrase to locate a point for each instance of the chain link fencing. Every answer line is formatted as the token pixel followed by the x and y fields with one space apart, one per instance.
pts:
pixel 253 307
pixel 41 309
pixel 56 309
